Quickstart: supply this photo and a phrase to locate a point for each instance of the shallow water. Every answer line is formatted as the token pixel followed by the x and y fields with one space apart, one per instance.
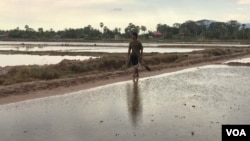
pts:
pixel 122 44
pixel 125 49
pixel 186 105
pixel 23 59
pixel 95 49
pixel 243 60
pixel 10 59
pixel 105 47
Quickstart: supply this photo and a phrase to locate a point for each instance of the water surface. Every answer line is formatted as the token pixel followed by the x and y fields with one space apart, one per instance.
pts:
pixel 95 49
pixel 123 44
pixel 23 59
pixel 243 60
pixel 187 105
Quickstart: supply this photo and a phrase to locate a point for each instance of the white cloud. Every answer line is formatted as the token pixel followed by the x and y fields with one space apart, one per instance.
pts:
pixel 243 1
pixel 60 14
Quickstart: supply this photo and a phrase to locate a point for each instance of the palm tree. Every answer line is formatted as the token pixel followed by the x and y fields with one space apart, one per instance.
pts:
pixel 143 28
pixel 26 27
pixel 243 30
pixel 176 25
pixel 40 30
pixel 101 25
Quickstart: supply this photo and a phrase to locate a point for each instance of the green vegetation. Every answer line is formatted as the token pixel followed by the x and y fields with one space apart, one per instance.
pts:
pixel 108 64
pixel 64 69
pixel 238 64
pixel 189 31
pixel 163 58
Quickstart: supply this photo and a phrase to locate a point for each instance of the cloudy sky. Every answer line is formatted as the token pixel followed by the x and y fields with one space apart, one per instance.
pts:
pixel 61 14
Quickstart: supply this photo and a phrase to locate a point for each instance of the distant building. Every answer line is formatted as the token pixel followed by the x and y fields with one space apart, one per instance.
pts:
pixel 157 34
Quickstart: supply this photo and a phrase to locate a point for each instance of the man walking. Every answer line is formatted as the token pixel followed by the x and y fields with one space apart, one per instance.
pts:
pixel 136 55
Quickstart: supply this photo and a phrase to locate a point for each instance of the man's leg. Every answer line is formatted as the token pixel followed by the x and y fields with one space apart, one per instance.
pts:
pixel 136 70
pixel 135 62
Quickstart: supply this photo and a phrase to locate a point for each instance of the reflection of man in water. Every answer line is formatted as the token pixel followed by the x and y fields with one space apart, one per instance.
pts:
pixel 134 104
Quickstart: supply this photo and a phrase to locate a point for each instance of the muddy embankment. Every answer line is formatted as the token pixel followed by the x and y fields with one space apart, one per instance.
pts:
pixel 21 80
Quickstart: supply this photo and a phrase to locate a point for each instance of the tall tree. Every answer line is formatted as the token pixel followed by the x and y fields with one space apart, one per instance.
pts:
pixel 233 28
pixel 166 30
pixel 202 24
pixel 243 30
pixel 189 28
pixel 143 28
pixel 26 27
pixel 101 25
pixel 217 30
pixel 131 28
pixel 40 30
pixel 176 25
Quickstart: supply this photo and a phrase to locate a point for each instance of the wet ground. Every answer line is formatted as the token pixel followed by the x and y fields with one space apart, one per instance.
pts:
pixel 186 105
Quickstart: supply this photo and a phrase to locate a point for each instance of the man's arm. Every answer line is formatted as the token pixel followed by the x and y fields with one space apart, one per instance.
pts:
pixel 129 51
pixel 141 52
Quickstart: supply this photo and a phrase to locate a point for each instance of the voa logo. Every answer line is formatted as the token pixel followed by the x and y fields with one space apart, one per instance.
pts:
pixel 236 132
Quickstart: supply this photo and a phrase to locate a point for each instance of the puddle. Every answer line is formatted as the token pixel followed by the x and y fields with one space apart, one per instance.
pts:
pixel 186 105
pixel 244 60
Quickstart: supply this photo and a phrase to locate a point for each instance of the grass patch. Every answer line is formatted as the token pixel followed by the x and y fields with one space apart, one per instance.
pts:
pixel 238 64
pixel 29 73
pixel 165 58
pixel 65 69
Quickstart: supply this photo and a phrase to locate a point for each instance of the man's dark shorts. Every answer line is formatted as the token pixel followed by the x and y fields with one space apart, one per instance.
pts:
pixel 134 60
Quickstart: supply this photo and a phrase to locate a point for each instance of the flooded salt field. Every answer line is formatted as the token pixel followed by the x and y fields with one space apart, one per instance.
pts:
pixel 106 47
pixel 22 59
pixel 122 44
pixel 95 49
pixel 186 105
pixel 10 60
pixel 87 47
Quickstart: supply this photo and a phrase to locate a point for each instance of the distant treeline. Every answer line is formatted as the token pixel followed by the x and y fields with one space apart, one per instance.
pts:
pixel 190 30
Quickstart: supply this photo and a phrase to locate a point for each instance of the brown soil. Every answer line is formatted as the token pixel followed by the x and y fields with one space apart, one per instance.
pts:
pixel 38 89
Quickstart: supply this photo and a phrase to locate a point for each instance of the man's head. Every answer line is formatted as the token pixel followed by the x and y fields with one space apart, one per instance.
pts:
pixel 134 35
